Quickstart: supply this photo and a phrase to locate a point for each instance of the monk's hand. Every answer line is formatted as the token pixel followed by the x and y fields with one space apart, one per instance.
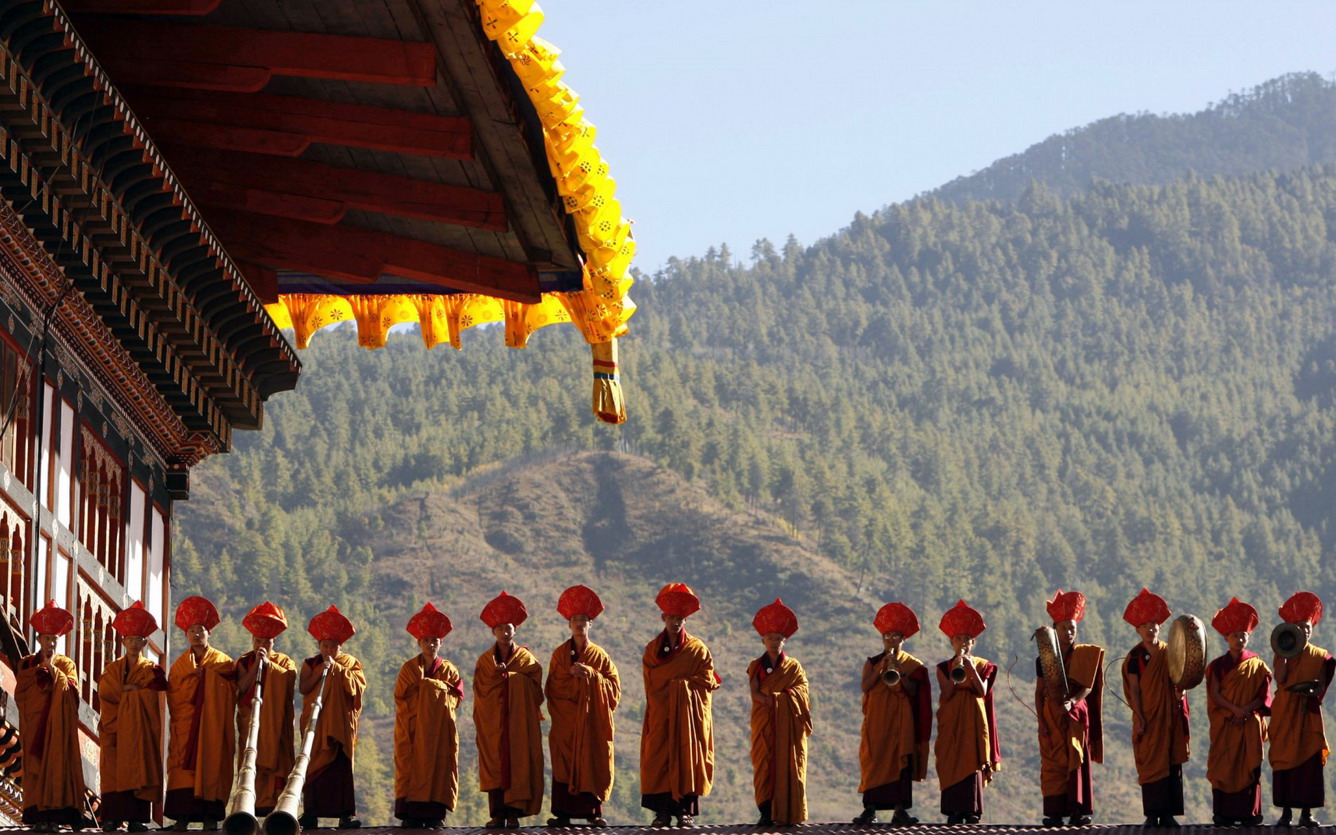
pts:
pixel 1067 705
pixel 261 653
pixel 1139 726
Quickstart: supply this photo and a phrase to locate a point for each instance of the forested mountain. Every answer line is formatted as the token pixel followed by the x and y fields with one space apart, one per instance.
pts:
pixel 1128 385
pixel 1286 123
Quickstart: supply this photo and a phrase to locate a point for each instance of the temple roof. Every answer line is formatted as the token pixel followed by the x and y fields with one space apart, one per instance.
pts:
pixel 407 161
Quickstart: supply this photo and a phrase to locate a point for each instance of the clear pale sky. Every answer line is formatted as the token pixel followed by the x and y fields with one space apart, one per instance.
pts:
pixel 731 121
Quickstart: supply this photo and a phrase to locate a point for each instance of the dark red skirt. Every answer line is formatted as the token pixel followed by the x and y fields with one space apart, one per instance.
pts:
pixel 182 805
pixel 890 795
pixel 1244 803
pixel 577 805
pixel 965 798
pixel 1163 797
pixel 1303 787
pixel 331 794
pixel 1079 799
pixel 124 807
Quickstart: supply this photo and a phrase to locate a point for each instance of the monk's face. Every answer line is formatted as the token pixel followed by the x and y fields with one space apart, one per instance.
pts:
pixel 47 644
pixel 1149 632
pixel 891 641
pixel 962 644
pixel 134 645
pixel 330 648
pixel 673 623
pixel 774 643
pixel 1306 627
pixel 504 634
pixel 429 646
pixel 1066 630
pixel 1238 641
pixel 258 643
pixel 198 636
pixel 579 627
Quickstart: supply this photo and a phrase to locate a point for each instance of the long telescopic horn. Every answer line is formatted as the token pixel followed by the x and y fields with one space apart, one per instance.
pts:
pixel 283 820
pixel 241 818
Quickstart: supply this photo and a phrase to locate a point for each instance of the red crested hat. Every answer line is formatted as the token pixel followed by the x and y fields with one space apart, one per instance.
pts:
pixel 51 620
pixel 776 617
pixel 195 610
pixel 429 623
pixel 579 600
pixel 677 599
pixel 331 625
pixel 1067 605
pixel 1235 617
pixel 1146 607
pixel 962 620
pixel 1302 607
pixel 896 617
pixel 265 621
pixel 135 621
pixel 504 608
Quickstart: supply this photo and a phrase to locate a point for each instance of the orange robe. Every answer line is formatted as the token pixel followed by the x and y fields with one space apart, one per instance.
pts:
pixel 1165 741
pixel 507 716
pixel 48 702
pixel 896 725
pixel 1235 759
pixel 779 732
pixel 333 754
pixel 677 737
pixel 967 741
pixel 1296 730
pixel 580 742
pixel 130 733
pixel 201 700
pixel 1076 737
pixel 426 738
pixel 274 752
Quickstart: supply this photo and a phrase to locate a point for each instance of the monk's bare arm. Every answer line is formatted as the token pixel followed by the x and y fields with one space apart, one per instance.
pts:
pixel 972 680
pixel 871 676
pixel 248 674
pixel 310 677
pixel 1134 700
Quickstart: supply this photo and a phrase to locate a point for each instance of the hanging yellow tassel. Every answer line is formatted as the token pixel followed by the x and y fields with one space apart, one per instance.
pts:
pixel 609 406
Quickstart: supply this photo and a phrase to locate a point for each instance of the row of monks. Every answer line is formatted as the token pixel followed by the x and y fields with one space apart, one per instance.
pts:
pixel 210 700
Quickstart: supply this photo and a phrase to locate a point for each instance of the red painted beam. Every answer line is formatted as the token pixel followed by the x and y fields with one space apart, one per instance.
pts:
pixel 187 74
pixel 174 7
pixel 305 119
pixel 205 135
pixel 306 54
pixel 254 175
pixel 361 255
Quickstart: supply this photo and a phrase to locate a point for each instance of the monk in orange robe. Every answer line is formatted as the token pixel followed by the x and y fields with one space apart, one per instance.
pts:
pixel 426 738
pixel 1159 713
pixel 507 700
pixel 1071 729
pixel 1238 696
pixel 329 791
pixel 897 721
pixel 677 737
pixel 48 700
pixel 1298 742
pixel 130 726
pixel 781 721
pixel 583 689
pixel 202 701
pixel 275 674
pixel 968 750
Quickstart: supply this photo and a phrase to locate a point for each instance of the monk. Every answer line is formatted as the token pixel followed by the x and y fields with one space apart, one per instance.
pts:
pixel 583 689
pixel 1298 742
pixel 330 791
pixel 1159 713
pixel 426 738
pixel 202 700
pixel 677 737
pixel 47 694
pixel 897 720
pixel 1071 729
pixel 130 726
pixel 781 721
pixel 508 695
pixel 1238 695
pixel 275 674
pixel 968 750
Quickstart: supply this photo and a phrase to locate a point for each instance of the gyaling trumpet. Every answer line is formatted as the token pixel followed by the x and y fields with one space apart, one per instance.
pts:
pixel 958 671
pixel 891 675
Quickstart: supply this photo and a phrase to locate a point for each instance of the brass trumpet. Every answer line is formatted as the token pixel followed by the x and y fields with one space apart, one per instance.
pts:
pixel 241 818
pixel 958 674
pixel 891 675
pixel 283 819
pixel 1288 640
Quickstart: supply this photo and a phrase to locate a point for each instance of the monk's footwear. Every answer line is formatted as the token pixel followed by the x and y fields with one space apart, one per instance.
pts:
pixel 903 818
pixel 434 823
pixel 1307 820
pixel 349 822
pixel 971 819
pixel 686 820
pixel 136 826
pixel 559 821
pixel 766 820
pixel 1286 817
pixel 662 819
pixel 495 823
pixel 1080 820
pixel 1169 821
pixel 308 821
pixel 1052 822
pixel 209 826
pixel 111 826
pixel 867 816
pixel 1151 822
pixel 599 822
